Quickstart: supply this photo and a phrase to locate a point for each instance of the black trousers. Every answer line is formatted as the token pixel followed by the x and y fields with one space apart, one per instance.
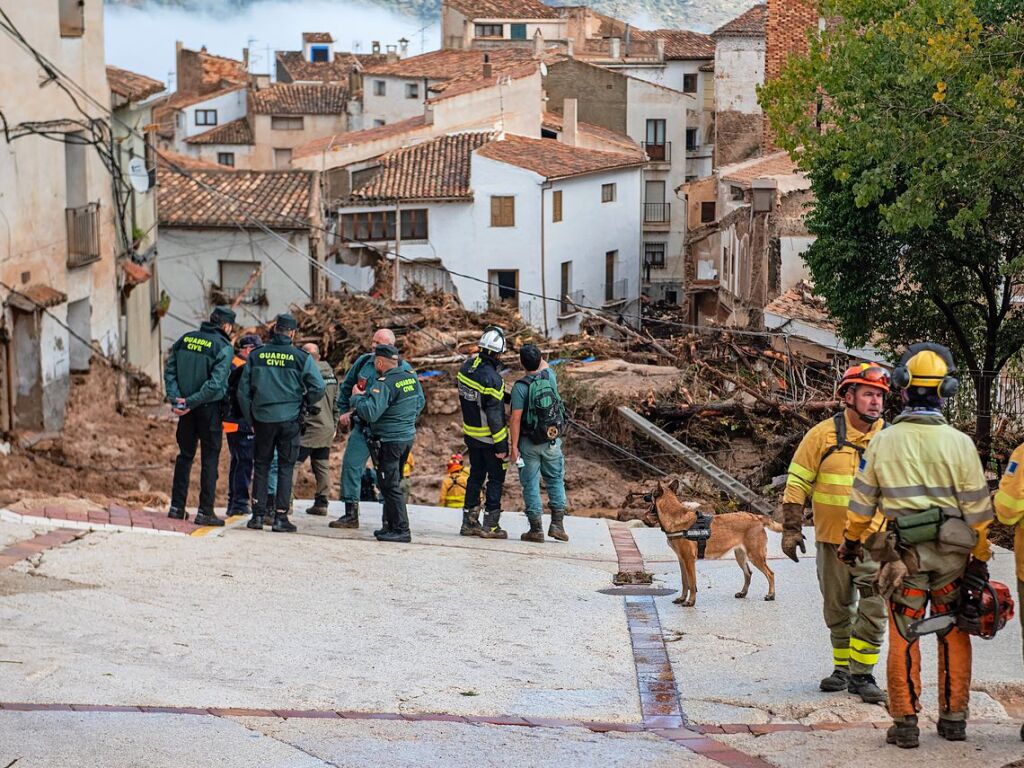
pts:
pixel 240 445
pixel 284 436
pixel 484 466
pixel 390 460
pixel 199 427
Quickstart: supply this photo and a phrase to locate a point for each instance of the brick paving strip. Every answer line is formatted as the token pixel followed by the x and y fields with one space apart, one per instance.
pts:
pixel 38 544
pixel 114 518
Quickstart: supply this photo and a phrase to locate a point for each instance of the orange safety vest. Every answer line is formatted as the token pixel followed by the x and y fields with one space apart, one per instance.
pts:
pixel 232 426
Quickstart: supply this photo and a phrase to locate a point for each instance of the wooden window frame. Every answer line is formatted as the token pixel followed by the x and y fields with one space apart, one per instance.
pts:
pixel 287 123
pixel 708 211
pixel 609 192
pixel 488 31
pixel 688 78
pixel 221 156
pixel 556 206
pixel 206 115
pixel 503 210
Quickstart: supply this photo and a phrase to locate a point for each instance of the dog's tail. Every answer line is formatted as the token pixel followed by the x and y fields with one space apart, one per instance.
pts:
pixel 771 525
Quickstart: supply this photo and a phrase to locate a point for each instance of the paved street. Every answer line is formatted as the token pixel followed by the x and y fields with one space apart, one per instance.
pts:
pixel 327 648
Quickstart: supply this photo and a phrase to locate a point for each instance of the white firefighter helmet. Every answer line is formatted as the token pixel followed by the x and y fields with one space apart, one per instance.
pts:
pixel 493 340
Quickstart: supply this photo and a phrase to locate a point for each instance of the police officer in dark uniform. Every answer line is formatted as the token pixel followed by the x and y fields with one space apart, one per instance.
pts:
pixel 390 406
pixel 196 381
pixel 278 382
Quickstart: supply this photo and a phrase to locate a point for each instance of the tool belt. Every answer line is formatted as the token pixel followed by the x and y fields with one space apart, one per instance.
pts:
pixel 699 532
pixel 948 529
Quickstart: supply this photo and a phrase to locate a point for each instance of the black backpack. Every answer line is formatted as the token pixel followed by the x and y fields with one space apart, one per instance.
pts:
pixel 544 414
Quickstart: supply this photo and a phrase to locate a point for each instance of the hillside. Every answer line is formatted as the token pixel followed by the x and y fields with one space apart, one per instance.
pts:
pixel 693 14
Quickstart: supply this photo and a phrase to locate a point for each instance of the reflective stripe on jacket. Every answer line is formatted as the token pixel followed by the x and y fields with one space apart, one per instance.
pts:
pixel 1009 503
pixel 918 463
pixel 826 480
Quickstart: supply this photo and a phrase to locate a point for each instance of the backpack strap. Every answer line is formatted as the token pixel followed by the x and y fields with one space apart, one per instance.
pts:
pixel 841 442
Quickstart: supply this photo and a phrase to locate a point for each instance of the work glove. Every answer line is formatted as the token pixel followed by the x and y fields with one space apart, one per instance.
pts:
pixel 976 575
pixel 792 530
pixel 851 552
pixel 890 577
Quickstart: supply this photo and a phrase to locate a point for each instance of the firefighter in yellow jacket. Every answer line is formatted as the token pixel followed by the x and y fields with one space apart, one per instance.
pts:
pixel 822 471
pixel 453 487
pixel 1010 511
pixel 928 481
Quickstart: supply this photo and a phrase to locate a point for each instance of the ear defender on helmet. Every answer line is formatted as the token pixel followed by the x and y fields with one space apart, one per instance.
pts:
pixel 929 366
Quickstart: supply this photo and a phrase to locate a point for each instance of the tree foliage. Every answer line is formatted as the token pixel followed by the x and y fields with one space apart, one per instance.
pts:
pixel 909 119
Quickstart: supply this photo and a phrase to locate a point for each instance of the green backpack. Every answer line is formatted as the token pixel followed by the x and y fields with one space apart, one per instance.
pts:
pixel 544 415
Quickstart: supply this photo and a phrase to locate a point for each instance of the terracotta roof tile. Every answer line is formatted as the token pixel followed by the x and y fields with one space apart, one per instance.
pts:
pixel 342 140
pixel 134 274
pixel 317 37
pixel 132 86
pixel 300 70
pixel 504 9
pixel 236 132
pixel 800 303
pixel 280 199
pixel 215 72
pixel 434 170
pixel 555 160
pixel 36 296
pixel 448 64
pixel 555 122
pixel 751 23
pixel 775 164
pixel 166 156
pixel 473 82
pixel 300 99
pixel 680 44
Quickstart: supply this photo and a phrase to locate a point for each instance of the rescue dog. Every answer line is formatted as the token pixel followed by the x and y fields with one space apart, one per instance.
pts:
pixel 740 533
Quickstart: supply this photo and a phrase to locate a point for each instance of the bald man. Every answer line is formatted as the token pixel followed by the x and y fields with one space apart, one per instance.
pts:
pixel 357 450
pixel 318 436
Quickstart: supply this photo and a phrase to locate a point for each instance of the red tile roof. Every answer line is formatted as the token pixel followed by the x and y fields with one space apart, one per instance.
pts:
pixel 680 44
pixel 279 199
pixel 751 23
pixel 300 99
pixel 556 123
pixel 132 86
pixel 300 70
pixel 555 160
pixel 744 172
pixel 187 162
pixel 341 140
pixel 474 82
pixel 504 9
pixel 134 274
pixel 801 303
pixel 237 132
pixel 317 37
pixel 434 170
pixel 448 64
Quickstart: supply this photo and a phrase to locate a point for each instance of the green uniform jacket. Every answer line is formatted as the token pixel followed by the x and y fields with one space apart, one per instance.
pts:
pixel 198 367
pixel 320 428
pixel 391 405
pixel 363 369
pixel 276 380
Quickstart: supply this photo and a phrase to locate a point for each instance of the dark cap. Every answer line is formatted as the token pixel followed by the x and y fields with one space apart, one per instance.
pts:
pixel 389 351
pixel 250 340
pixel 286 322
pixel 222 314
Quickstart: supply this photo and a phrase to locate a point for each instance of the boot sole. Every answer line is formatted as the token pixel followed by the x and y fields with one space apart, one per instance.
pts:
pixel 536 539
pixel 502 535
pixel 343 527
pixel 471 532
pixel 558 537
pixel 254 527
pixel 317 514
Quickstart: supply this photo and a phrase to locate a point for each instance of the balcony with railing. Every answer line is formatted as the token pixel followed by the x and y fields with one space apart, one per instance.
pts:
pixel 658 151
pixel 83 229
pixel 616 293
pixel 657 215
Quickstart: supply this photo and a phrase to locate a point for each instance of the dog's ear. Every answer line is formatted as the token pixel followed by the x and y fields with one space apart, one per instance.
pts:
pixel 673 485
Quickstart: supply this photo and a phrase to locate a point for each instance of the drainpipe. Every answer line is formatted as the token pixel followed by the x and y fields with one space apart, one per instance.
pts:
pixel 546 185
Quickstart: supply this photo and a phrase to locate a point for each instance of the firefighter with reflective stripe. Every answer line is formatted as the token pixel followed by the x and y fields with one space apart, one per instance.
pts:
pixel 927 479
pixel 822 470
pixel 453 487
pixel 485 425
pixel 1009 503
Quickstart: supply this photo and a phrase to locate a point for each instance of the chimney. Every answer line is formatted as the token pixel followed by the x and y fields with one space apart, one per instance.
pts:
pixel 375 47
pixel 488 69
pixel 627 38
pixel 392 54
pixel 178 48
pixel 570 48
pixel 570 122
pixel 403 47
pixel 659 46
pixel 538 44
pixel 615 47
pixel 245 58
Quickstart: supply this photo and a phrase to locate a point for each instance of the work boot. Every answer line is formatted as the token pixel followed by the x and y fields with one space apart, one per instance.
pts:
pixel 952 730
pixel 839 680
pixel 319 507
pixel 255 522
pixel 868 690
pixel 177 514
pixel 471 522
pixel 208 520
pixel 491 528
pixel 904 733
pixel 402 537
pixel 281 523
pixel 350 519
pixel 556 530
pixel 536 532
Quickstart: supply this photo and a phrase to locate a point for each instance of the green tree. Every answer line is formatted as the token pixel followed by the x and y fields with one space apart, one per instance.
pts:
pixel 907 117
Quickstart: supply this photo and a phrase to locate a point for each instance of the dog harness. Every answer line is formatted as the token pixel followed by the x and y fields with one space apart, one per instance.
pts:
pixel 699 532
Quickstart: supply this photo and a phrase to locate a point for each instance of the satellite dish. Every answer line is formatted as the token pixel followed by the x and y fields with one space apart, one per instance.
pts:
pixel 138 175
pixel 543 69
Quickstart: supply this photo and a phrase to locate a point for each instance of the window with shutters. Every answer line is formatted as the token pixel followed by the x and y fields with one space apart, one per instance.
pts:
pixel 503 211
pixel 565 289
pixel 556 205
pixel 286 123
pixel 490 30
pixel 374 226
pixel 608 193
pixel 517 31
pixel 609 275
